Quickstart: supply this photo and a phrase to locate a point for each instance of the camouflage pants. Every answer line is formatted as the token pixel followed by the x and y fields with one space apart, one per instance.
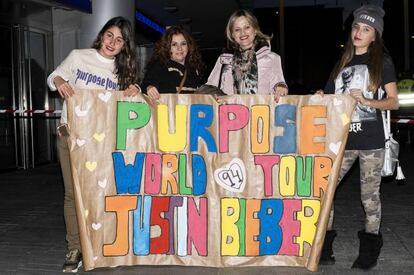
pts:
pixel 370 162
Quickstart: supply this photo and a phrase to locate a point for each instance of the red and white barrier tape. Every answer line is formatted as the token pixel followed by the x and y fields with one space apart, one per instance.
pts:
pixel 13 111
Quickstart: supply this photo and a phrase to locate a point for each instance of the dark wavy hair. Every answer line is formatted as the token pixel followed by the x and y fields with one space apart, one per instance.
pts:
pixel 163 48
pixel 125 61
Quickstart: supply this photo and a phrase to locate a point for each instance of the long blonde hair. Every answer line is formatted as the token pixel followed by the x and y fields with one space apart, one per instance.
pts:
pixel 231 43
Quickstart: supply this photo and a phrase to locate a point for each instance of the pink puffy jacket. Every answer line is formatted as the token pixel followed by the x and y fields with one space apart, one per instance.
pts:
pixel 269 71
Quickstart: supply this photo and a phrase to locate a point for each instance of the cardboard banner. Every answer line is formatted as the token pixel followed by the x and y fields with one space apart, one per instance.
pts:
pixel 191 181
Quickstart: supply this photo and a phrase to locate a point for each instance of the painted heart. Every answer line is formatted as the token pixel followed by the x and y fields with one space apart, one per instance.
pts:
pixel 316 98
pixel 104 96
pixel 99 137
pixel 102 183
pixel 232 176
pixel 81 113
pixel 345 119
pixel 96 226
pixel 80 142
pixel 91 165
pixel 337 102
pixel 334 147
pixel 86 213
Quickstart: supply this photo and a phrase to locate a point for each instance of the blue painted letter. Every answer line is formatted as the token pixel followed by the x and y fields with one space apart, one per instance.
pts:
pixel 199 125
pixel 128 177
pixel 285 116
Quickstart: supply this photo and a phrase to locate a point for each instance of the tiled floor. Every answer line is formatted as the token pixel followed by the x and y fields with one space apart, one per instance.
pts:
pixel 32 231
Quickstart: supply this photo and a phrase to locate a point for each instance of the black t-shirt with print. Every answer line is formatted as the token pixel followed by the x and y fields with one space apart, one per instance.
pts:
pixel 366 130
pixel 167 77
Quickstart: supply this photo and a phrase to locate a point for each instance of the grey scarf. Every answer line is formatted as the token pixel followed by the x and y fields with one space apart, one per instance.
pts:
pixel 245 71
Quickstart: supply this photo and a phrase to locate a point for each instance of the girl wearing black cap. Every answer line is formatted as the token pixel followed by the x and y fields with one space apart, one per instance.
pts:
pixel 366 72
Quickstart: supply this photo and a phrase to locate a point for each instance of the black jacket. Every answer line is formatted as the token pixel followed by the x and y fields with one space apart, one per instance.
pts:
pixel 167 77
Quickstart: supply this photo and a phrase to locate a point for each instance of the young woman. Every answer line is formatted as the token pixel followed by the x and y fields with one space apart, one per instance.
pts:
pixel 112 60
pixel 248 66
pixel 175 66
pixel 365 72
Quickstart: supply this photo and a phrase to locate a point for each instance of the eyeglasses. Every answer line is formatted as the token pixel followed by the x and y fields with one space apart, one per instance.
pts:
pixel 109 36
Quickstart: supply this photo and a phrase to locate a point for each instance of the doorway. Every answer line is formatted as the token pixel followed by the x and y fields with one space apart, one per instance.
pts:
pixel 26 127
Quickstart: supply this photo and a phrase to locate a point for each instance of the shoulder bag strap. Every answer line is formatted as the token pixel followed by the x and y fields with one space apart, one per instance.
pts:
pixel 221 73
pixel 182 82
pixel 386 120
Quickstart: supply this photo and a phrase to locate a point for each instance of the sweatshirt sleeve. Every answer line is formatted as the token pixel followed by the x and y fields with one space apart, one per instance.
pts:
pixel 213 79
pixel 151 77
pixel 277 72
pixel 64 70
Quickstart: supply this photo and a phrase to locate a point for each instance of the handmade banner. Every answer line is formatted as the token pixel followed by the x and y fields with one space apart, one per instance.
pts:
pixel 191 181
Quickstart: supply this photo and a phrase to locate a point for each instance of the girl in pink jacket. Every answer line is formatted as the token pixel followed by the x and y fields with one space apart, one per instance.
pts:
pixel 248 66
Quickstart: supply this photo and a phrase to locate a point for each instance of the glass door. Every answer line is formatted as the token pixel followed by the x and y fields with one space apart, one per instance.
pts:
pixel 26 130
pixel 8 141
pixel 41 126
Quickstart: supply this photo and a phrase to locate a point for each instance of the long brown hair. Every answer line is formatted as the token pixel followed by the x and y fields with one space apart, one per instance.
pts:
pixel 163 48
pixel 375 61
pixel 125 61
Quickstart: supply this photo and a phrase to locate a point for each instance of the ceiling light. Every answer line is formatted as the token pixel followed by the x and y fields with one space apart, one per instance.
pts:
pixel 170 8
pixel 196 33
pixel 185 20
pixel 406 102
pixel 406 99
pixel 405 96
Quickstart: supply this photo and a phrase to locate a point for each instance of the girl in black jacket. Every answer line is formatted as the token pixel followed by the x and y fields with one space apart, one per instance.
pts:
pixel 175 66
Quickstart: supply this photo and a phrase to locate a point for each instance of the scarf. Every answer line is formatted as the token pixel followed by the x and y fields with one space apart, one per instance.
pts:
pixel 245 71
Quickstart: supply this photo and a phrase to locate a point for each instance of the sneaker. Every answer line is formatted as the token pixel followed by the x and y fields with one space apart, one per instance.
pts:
pixel 73 261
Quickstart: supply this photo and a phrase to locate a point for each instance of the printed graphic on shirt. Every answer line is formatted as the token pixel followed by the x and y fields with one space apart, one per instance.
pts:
pixel 356 77
pixel 92 79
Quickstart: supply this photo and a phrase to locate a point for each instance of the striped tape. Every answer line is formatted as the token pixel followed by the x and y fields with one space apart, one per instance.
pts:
pixel 19 111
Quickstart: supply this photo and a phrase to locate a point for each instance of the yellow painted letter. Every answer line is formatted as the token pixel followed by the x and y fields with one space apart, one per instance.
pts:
pixel 230 239
pixel 287 176
pixel 259 133
pixel 308 218
pixel 175 140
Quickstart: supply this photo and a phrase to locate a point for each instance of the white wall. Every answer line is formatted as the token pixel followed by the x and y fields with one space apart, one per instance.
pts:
pixel 66 32
pixel 73 29
pixel 102 11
